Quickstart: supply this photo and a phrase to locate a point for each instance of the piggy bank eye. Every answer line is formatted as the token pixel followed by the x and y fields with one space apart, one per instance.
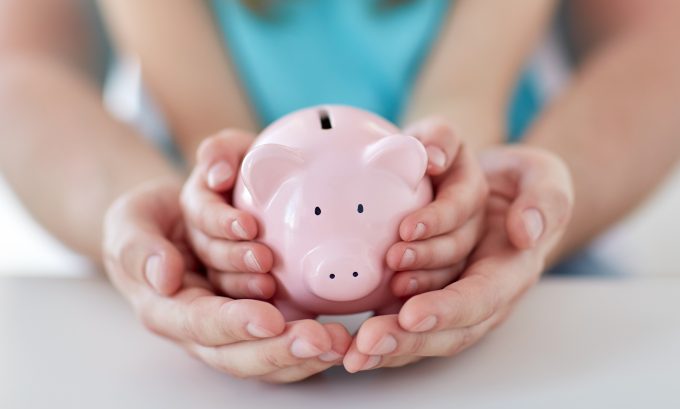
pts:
pixel 360 208
pixel 317 210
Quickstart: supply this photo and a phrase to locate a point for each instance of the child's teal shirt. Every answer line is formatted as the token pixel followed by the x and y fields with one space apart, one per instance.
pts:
pixel 354 52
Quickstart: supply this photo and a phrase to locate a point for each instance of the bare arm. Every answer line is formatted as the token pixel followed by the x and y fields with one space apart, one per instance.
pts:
pixel 187 69
pixel 65 157
pixel 618 125
pixel 474 66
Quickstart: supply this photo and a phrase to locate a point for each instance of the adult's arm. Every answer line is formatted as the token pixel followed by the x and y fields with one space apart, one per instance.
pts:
pixel 62 153
pixel 617 126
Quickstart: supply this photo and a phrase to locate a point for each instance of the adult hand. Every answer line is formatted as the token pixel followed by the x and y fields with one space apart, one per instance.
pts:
pixel 527 213
pixel 147 259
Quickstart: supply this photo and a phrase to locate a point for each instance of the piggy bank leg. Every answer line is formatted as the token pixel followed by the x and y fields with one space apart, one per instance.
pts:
pixel 292 312
pixel 391 308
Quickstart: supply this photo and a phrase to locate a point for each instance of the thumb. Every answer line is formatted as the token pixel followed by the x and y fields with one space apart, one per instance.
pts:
pixel 543 193
pixel 137 241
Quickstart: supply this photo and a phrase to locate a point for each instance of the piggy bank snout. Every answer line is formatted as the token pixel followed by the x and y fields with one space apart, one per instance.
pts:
pixel 341 273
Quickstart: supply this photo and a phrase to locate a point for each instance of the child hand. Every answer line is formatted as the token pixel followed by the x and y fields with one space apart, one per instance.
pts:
pixel 437 238
pixel 221 235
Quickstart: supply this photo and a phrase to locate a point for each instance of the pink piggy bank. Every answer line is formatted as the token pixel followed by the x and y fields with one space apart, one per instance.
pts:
pixel 329 186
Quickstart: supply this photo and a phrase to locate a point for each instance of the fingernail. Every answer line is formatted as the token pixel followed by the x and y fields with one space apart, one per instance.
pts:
pixel 219 173
pixel 258 331
pixel 330 356
pixel 251 262
pixel 386 345
pixel 436 155
pixel 425 325
pixel 152 271
pixel 255 289
pixel 238 230
pixel 418 232
pixel 533 222
pixel 407 258
pixel 371 363
pixel 411 287
pixel 300 348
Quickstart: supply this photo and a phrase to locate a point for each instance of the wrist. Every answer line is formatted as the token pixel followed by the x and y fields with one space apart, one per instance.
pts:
pixel 478 124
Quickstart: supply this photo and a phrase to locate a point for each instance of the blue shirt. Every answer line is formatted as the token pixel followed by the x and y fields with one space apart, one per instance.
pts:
pixel 354 52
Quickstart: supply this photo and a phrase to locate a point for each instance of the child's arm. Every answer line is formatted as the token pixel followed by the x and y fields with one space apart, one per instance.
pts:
pixel 185 66
pixel 462 95
pixel 473 68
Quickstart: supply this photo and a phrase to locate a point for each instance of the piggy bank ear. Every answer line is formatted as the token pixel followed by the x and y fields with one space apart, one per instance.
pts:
pixel 267 167
pixel 404 156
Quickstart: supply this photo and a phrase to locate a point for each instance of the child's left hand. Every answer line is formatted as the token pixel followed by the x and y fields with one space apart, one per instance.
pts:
pixel 438 238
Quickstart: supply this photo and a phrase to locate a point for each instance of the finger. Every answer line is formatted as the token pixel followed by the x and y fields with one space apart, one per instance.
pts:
pixel 301 341
pixel 437 252
pixel 543 195
pixel 210 212
pixel 354 361
pixel 219 157
pixel 383 336
pixel 409 283
pixel 398 361
pixel 487 286
pixel 197 316
pixel 460 194
pixel 136 245
pixel 230 256
pixel 340 339
pixel 440 141
pixel 243 285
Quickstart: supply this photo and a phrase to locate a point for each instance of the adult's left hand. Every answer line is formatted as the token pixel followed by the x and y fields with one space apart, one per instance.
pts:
pixel 527 213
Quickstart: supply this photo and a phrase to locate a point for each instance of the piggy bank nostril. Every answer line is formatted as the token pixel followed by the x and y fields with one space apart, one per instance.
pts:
pixel 355 274
pixel 331 276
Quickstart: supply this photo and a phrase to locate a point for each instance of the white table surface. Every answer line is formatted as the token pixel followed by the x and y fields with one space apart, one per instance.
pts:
pixel 572 343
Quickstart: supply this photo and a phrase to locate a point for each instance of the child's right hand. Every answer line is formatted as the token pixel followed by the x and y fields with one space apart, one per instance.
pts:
pixel 222 236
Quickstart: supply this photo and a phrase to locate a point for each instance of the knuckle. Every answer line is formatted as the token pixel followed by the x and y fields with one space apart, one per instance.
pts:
pixel 452 348
pixel 272 359
pixel 492 299
pixel 438 125
pixel 193 322
pixel 235 371
pixel 205 147
pixel 145 316
pixel 212 255
pixel 468 337
pixel 417 344
pixel 561 203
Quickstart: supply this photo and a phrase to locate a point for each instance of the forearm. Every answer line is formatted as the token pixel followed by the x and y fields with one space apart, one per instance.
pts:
pixel 188 72
pixel 617 127
pixel 473 68
pixel 64 156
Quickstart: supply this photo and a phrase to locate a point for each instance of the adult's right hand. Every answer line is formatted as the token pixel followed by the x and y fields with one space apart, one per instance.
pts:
pixel 147 258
